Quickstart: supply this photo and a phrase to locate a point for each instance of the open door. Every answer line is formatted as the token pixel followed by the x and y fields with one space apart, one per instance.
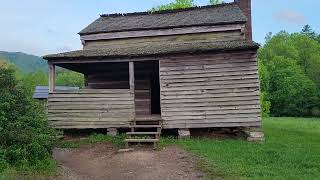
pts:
pixel 147 88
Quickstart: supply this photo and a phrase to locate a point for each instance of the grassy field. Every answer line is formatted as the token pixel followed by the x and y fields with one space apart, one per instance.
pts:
pixel 291 151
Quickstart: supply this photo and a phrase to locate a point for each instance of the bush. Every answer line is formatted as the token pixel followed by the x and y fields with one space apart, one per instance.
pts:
pixel 25 138
pixel 265 104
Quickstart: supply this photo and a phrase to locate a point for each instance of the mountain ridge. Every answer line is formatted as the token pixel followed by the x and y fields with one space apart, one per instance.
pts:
pixel 25 62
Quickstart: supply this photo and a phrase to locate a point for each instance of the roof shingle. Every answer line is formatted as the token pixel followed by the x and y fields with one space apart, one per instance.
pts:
pixel 228 13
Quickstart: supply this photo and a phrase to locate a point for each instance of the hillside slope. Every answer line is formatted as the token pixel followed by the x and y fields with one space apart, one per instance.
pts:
pixel 25 62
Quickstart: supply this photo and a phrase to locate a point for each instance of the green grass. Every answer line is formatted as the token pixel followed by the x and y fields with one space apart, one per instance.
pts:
pixel 35 170
pixel 291 151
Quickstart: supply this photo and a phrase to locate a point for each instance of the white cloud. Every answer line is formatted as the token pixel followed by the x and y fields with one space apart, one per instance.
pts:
pixel 290 16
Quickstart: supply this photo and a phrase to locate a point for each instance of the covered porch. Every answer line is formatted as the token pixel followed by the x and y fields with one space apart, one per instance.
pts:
pixel 116 93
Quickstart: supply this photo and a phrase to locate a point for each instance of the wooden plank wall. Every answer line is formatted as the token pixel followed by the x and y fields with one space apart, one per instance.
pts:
pixel 217 90
pixel 117 43
pixel 90 108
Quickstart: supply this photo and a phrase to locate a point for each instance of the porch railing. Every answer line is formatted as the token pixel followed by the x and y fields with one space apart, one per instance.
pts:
pixel 91 108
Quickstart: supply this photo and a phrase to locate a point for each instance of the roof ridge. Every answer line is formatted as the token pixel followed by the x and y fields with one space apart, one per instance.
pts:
pixel 168 11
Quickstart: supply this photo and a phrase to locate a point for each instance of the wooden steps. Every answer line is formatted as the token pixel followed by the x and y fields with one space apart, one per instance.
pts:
pixel 141 140
pixel 145 126
pixel 143 133
pixel 144 130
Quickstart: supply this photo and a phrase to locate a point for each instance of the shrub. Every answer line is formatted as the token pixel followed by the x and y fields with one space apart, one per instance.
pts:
pixel 265 104
pixel 24 134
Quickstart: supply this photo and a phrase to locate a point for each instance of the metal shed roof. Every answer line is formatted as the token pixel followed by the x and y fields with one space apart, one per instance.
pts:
pixel 42 92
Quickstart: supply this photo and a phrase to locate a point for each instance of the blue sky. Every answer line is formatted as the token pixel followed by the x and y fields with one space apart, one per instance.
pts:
pixel 49 26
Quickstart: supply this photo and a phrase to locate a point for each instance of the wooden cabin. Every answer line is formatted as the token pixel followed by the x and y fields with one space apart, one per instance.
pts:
pixel 186 68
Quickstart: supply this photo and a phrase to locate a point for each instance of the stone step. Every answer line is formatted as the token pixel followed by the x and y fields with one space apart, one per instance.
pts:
pixel 143 133
pixel 141 140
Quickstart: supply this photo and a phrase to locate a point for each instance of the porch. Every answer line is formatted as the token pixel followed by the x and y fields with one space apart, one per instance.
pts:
pixel 115 95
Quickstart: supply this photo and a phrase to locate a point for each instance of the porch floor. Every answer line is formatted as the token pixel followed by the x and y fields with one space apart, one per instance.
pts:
pixel 153 117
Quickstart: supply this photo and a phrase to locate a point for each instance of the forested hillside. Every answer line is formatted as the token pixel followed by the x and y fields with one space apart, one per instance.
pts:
pixel 25 62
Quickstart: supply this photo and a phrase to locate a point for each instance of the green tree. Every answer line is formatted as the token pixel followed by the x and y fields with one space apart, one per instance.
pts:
pixel 31 80
pixel 308 55
pixel 177 4
pixel 214 2
pixel 69 78
pixel 318 38
pixel 289 72
pixel 291 92
pixel 25 138
pixel 308 31
pixel 181 4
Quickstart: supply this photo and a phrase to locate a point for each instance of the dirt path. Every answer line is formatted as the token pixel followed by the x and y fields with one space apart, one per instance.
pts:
pixel 103 162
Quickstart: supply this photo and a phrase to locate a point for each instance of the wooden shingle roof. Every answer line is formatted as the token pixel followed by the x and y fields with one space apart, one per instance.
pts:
pixel 163 48
pixel 228 13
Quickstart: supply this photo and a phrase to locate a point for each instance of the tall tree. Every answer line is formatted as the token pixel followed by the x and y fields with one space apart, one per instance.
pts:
pixel 308 31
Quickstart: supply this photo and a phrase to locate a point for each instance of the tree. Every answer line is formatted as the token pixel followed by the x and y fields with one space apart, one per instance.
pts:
pixel 181 4
pixel 289 70
pixel 69 78
pixel 318 38
pixel 291 92
pixel 214 2
pixel 25 138
pixel 177 4
pixel 308 56
pixel 308 31
pixel 31 80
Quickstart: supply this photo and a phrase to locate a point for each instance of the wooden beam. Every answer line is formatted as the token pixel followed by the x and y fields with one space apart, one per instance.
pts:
pixel 100 60
pixel 131 82
pixel 52 77
pixel 131 76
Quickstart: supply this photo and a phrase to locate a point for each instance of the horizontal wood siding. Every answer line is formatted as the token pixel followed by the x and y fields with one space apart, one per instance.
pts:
pixel 217 90
pixel 213 36
pixel 162 32
pixel 90 108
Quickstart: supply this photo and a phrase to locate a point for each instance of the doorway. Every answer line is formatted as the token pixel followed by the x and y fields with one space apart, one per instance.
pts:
pixel 147 88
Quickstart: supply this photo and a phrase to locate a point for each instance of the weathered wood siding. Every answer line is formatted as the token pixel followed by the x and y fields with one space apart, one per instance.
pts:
pixel 217 90
pixel 90 108
pixel 117 43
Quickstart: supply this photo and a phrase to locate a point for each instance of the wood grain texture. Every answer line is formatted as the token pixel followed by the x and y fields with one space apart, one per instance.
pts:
pixel 52 77
pixel 124 42
pixel 217 90
pixel 91 108
pixel 161 32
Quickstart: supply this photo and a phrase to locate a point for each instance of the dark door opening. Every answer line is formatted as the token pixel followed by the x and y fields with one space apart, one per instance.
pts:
pixel 147 88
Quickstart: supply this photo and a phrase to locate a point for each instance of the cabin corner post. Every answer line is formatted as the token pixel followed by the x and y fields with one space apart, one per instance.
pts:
pixel 52 76
pixel 131 83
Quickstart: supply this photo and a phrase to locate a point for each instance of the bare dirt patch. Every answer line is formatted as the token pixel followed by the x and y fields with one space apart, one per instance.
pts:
pixel 102 161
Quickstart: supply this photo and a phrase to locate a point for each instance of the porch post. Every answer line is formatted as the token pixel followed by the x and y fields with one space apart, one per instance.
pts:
pixel 131 76
pixel 52 77
pixel 131 83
